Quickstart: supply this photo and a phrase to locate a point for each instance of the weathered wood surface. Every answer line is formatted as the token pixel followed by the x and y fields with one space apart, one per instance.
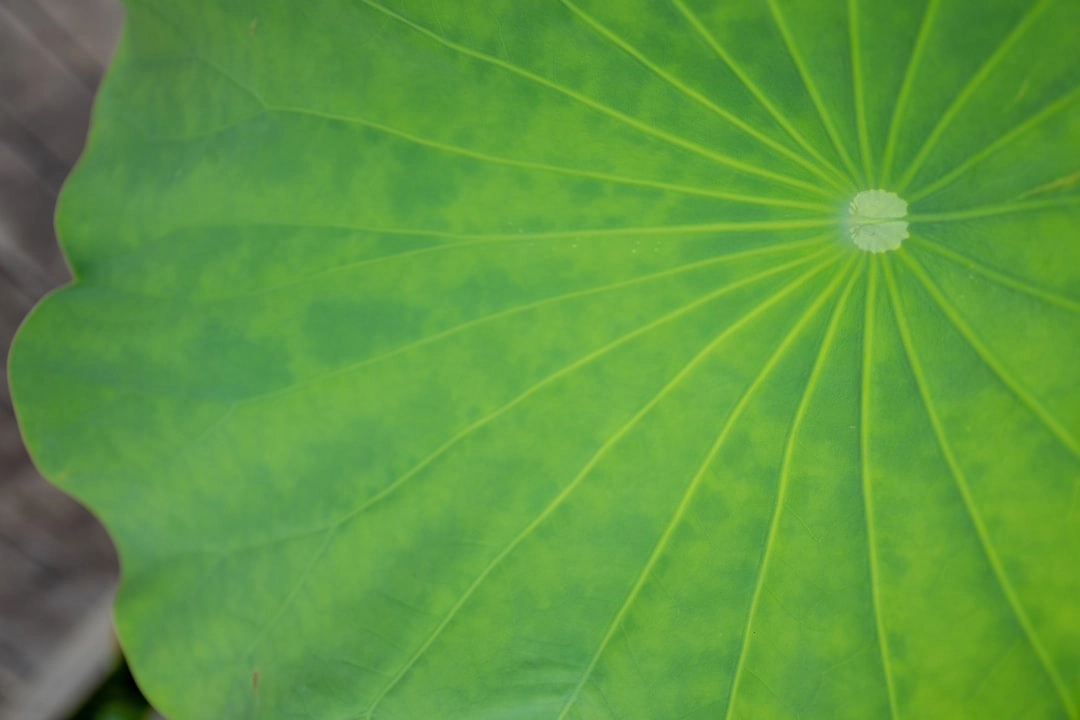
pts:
pixel 57 567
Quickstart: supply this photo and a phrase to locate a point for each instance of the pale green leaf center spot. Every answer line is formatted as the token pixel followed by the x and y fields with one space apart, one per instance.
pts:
pixel 877 220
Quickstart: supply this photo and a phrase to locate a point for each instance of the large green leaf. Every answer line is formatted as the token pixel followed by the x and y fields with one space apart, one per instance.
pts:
pixel 514 359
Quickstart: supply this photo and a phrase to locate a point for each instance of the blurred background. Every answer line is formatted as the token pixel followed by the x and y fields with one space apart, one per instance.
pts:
pixel 58 654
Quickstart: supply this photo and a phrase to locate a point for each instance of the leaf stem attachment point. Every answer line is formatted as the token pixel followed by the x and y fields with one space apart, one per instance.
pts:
pixel 876 222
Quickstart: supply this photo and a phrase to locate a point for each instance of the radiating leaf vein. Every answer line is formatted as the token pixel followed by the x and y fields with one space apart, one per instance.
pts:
pixel 782 486
pixel 568 490
pixel 906 85
pixel 1000 142
pixel 474 154
pixel 695 482
pixel 592 103
pixel 561 170
pixel 1004 375
pixel 859 92
pixel 337 525
pixel 969 89
pixel 468 324
pixel 564 371
pixel 996 276
pixel 985 541
pixel 811 87
pixel 756 91
pixel 697 97
pixel 870 306
pixel 995 209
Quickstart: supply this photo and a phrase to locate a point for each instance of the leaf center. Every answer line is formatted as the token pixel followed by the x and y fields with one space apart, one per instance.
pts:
pixel 877 220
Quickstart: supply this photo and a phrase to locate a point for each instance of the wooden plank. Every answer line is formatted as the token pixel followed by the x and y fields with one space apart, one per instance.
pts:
pixel 14 305
pixel 30 259
pixel 57 567
pixel 88 654
pixel 39 93
pixel 93 24
pixel 51 35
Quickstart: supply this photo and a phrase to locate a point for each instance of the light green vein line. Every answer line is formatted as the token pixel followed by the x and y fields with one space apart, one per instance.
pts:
pixel 697 97
pixel 294 591
pixel 785 476
pixel 811 87
pixel 1001 278
pixel 695 229
pixel 188 446
pixel 994 668
pixel 543 167
pixel 389 257
pixel 1052 424
pixel 443 334
pixel 531 390
pixel 366 262
pixel 587 101
pixel 867 487
pixel 203 134
pixel 593 461
pixel 1009 136
pixel 750 85
pixel 992 210
pixel 1056 184
pixel 859 92
pixel 977 522
pixel 906 84
pixel 197 57
pixel 631 231
pixel 969 89
pixel 692 487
